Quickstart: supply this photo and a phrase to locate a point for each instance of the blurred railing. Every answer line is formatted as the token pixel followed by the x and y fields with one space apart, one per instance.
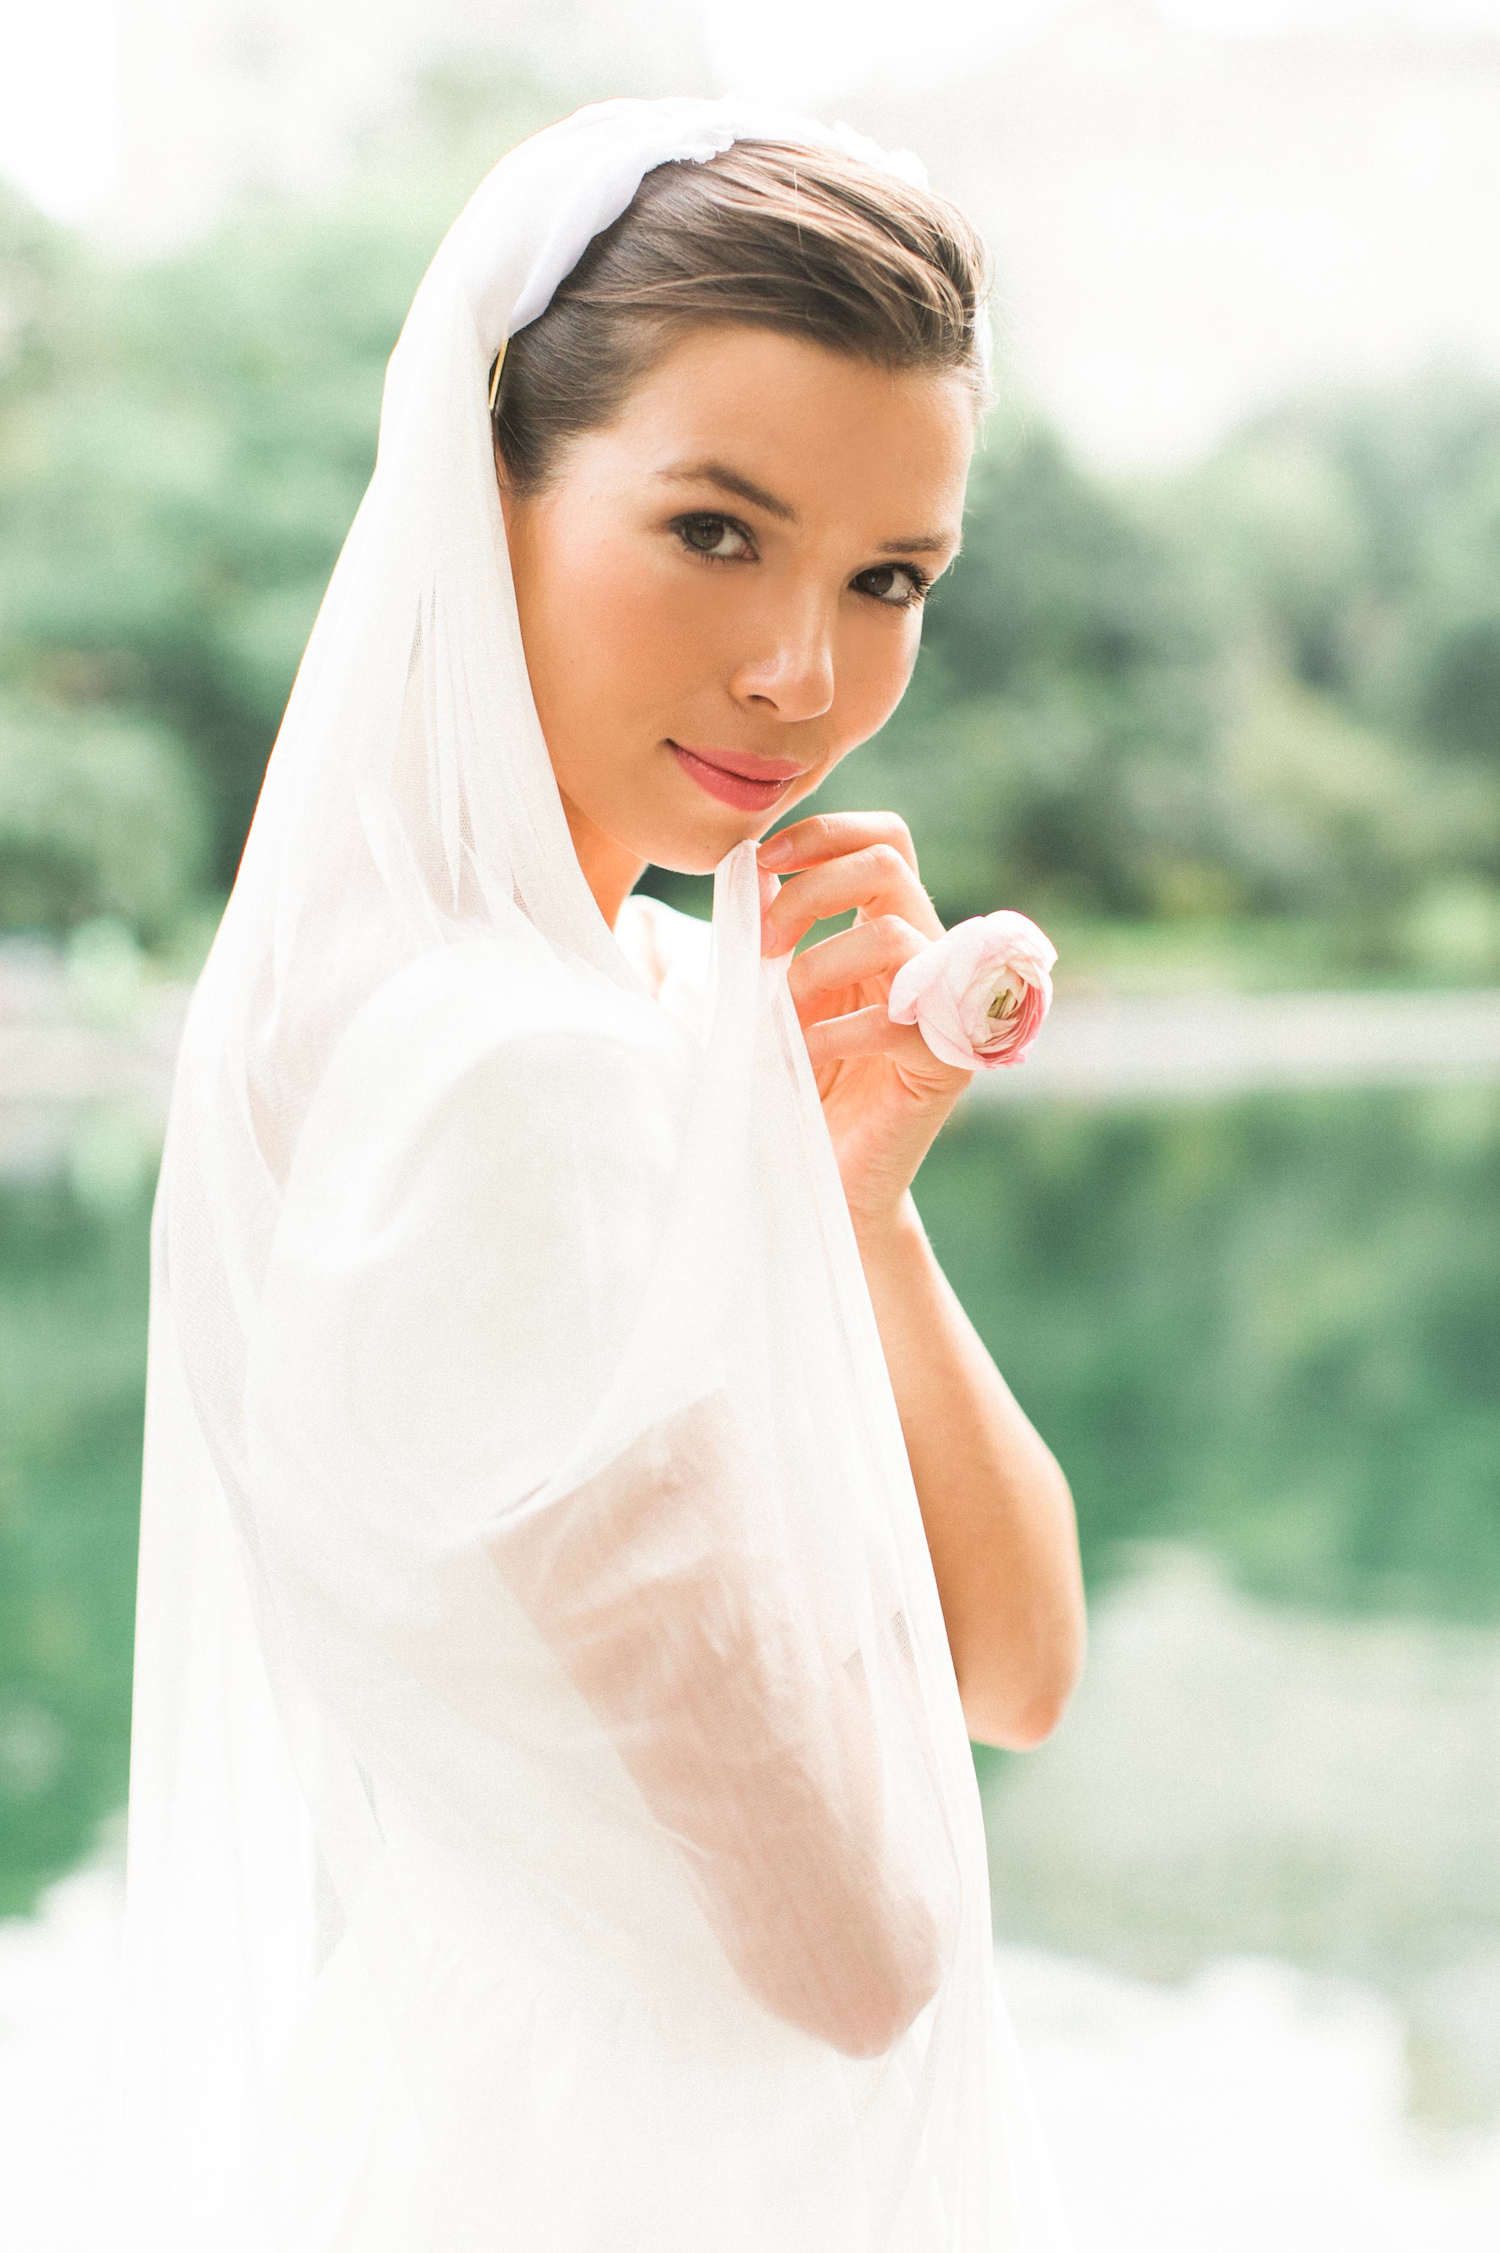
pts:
pixel 1107 1046
pixel 1207 1044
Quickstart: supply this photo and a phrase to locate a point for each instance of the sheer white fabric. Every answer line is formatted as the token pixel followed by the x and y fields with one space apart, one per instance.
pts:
pixel 552 1824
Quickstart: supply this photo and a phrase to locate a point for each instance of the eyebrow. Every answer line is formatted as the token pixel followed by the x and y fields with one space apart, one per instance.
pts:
pixel 729 480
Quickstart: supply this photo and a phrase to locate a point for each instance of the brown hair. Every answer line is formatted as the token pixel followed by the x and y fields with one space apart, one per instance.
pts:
pixel 808 241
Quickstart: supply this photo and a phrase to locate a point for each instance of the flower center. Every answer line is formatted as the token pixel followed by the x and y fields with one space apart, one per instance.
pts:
pixel 1004 1003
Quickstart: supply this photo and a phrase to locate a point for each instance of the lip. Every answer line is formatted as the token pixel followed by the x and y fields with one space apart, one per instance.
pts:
pixel 753 787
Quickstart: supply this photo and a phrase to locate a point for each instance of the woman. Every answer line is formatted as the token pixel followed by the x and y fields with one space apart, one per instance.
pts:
pixel 580 1524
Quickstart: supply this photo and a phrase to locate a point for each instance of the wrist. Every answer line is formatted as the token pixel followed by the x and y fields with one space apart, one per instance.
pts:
pixel 883 1230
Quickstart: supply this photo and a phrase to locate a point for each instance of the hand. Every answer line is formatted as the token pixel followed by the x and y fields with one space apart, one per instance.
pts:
pixel 884 1092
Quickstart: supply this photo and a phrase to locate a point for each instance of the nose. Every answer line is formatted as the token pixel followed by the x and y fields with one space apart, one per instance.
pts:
pixel 792 679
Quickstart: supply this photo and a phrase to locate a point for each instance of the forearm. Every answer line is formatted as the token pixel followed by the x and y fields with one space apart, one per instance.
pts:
pixel 813 1839
pixel 995 1505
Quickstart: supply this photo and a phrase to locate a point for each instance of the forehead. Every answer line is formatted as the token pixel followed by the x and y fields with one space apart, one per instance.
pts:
pixel 834 437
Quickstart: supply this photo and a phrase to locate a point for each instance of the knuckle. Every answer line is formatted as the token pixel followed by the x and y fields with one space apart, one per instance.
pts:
pixel 890 832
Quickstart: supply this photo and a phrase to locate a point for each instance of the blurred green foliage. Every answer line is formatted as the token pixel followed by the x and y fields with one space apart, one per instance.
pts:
pixel 99 815
pixel 1260 696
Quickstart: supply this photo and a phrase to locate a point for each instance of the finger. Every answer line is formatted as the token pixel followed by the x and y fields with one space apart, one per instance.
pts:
pixel 869 1032
pixel 821 837
pixel 877 880
pixel 875 949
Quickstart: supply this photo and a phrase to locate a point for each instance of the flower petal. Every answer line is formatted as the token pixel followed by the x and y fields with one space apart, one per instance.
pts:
pixel 951 987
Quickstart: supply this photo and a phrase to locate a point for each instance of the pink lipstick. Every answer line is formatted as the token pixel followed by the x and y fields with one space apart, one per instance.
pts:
pixel 754 785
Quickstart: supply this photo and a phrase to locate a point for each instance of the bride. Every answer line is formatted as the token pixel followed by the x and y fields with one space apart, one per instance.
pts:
pixel 581 1528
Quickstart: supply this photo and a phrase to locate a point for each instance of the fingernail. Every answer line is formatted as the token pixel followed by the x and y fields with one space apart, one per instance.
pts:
pixel 774 849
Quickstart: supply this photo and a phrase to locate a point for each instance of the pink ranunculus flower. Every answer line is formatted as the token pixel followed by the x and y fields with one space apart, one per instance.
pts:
pixel 979 994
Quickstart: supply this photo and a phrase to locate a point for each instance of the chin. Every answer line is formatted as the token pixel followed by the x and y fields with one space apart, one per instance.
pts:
pixel 695 848
pixel 695 860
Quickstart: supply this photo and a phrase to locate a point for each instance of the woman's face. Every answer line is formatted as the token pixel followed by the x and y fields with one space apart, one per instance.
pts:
pixel 720 593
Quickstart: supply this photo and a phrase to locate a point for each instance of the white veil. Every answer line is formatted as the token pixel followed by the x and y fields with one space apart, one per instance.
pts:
pixel 552 1824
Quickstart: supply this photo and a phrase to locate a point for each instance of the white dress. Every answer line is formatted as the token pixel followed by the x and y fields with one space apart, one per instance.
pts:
pixel 632 2046
pixel 597 2008
pixel 367 2192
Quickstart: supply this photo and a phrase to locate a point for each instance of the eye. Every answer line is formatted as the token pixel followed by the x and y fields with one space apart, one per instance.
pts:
pixel 898 585
pixel 718 538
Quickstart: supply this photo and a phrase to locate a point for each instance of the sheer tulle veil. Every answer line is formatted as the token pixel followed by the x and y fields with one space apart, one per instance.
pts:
pixel 552 1824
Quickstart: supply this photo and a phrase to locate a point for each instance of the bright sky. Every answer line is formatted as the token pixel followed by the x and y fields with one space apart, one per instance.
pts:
pixel 57 136
pixel 57 112
pixel 817 48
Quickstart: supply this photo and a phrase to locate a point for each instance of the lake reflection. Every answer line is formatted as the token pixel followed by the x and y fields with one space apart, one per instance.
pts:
pixel 1260 1336
pixel 1267 1328
pixel 74 1217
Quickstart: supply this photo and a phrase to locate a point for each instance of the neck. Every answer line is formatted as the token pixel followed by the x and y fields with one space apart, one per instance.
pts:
pixel 609 871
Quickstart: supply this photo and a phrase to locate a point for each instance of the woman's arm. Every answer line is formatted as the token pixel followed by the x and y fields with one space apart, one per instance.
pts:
pixel 996 1507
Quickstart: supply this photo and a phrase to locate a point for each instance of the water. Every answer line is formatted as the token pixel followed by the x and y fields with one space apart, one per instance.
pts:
pixel 1265 1328
pixel 1261 1336
pixel 74 1213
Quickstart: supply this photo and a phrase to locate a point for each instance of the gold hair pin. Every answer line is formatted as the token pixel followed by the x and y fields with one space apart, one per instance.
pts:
pixel 495 376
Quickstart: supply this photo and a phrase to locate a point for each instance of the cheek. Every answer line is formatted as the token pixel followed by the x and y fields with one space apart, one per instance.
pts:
pixel 622 635
pixel 874 668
